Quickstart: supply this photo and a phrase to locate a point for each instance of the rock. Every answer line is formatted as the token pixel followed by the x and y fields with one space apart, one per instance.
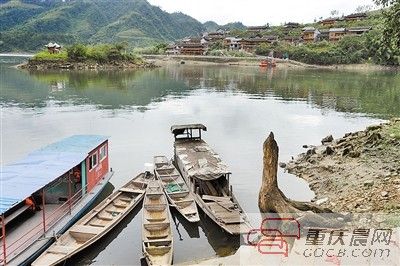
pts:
pixel 374 127
pixel 311 152
pixel 282 165
pixel 329 150
pixel 354 154
pixel 321 201
pixel 305 146
pixel 368 183
pixel 327 139
pixel 346 151
pixel 384 194
pixel 392 136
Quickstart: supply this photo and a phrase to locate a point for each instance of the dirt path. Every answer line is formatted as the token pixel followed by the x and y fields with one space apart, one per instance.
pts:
pixel 357 173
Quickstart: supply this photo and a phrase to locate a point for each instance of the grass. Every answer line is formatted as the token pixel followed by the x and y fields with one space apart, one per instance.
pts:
pixel 45 55
pixel 395 130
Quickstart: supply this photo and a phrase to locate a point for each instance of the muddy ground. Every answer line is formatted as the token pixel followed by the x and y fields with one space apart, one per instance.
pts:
pixel 359 172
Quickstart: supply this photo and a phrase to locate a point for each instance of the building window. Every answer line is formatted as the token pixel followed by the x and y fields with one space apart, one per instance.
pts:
pixel 103 152
pixel 93 161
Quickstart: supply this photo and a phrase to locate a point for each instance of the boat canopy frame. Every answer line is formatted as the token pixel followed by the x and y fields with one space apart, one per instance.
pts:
pixel 186 131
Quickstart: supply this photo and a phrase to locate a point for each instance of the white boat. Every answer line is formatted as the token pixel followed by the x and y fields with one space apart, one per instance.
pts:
pixel 178 193
pixel 97 223
pixel 156 232
pixel 208 179
pixel 44 193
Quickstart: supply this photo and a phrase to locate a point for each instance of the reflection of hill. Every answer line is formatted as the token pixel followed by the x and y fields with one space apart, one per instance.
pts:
pixel 344 91
pixel 109 90
pixel 365 92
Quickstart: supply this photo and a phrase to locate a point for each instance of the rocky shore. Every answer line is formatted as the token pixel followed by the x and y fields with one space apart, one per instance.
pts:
pixel 359 172
pixel 87 65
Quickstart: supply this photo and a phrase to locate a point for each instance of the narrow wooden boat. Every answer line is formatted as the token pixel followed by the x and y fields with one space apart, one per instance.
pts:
pixel 208 178
pixel 156 232
pixel 98 222
pixel 175 188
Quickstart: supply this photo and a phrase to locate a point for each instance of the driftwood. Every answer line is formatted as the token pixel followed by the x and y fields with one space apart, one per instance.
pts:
pixel 272 200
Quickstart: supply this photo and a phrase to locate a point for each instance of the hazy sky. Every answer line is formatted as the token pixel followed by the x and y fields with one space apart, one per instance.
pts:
pixel 259 12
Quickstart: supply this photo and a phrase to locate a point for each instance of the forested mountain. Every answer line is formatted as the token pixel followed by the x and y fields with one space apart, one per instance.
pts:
pixel 27 25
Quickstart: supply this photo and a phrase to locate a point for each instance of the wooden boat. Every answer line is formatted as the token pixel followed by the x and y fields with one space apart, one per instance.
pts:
pixel 156 232
pixel 175 188
pixel 268 63
pixel 98 222
pixel 208 178
pixel 59 183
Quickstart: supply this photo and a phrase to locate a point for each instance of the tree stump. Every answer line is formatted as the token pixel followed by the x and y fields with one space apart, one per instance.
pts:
pixel 272 200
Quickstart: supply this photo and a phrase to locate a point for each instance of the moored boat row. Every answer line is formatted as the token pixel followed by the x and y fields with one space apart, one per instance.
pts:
pixel 196 177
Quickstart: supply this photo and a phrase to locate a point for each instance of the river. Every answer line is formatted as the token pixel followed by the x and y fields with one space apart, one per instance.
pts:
pixel 239 105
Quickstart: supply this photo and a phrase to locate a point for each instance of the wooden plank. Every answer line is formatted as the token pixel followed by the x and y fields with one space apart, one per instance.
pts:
pixel 85 229
pixel 219 199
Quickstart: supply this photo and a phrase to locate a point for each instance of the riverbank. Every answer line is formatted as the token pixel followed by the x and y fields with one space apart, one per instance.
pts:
pixel 359 172
pixel 252 61
pixel 85 65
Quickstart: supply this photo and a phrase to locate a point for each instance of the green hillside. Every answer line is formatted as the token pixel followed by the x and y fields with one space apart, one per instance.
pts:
pixel 212 26
pixel 27 25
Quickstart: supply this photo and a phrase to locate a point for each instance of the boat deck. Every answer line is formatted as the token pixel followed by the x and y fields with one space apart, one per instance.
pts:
pixel 199 159
pixel 30 227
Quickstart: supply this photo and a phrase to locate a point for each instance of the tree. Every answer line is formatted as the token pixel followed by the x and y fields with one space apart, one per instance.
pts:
pixel 363 8
pixel 390 41
pixel 334 13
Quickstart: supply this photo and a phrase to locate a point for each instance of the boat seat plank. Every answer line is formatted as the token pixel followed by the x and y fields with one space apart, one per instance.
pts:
pixel 131 190
pixel 213 198
pixel 126 199
pixel 59 249
pixel 86 229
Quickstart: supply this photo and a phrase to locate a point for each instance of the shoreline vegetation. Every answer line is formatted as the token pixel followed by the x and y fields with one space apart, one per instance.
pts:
pixel 87 57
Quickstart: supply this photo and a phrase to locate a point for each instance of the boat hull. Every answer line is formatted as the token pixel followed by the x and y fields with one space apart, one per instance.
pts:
pixel 129 196
pixel 32 252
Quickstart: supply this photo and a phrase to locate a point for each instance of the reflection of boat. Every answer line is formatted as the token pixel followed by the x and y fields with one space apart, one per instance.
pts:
pixel 59 182
pixel 156 231
pixel 268 63
pixel 222 243
pixel 208 177
pixel 175 188
pixel 94 225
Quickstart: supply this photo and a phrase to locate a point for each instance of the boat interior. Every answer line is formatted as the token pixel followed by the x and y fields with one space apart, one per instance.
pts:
pixel 95 222
pixel 157 235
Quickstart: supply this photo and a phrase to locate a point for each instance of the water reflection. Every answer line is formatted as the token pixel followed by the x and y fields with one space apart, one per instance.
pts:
pixel 367 92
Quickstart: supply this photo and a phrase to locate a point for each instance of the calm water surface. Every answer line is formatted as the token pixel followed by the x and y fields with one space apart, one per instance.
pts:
pixel 240 106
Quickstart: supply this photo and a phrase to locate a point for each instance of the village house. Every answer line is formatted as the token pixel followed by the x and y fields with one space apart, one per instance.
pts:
pixel 323 35
pixel 356 17
pixel 358 30
pixel 336 34
pixel 250 44
pixel 172 49
pixel 232 43
pixel 291 40
pixel 291 25
pixel 329 21
pixel 53 48
pixel 192 49
pixel 257 28
pixel 271 38
pixel 310 34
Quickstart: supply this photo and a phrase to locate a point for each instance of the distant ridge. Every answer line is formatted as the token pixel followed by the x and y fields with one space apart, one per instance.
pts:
pixel 27 25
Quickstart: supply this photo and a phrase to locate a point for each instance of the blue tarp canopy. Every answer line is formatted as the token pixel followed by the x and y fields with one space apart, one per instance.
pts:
pixel 39 168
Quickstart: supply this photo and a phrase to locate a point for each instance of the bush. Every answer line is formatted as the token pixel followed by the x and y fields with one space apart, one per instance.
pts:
pixel 77 52
pixel 45 55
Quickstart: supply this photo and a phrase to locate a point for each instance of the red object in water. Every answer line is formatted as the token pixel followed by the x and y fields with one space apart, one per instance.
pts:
pixel 267 63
